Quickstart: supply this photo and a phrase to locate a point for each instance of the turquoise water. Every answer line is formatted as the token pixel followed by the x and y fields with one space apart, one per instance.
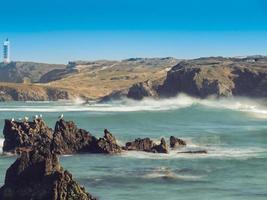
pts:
pixel 234 132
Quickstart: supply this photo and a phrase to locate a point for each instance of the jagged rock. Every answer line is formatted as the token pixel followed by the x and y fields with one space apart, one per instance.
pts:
pixel 21 135
pixel 147 145
pixel 67 138
pixel 107 144
pixel 175 142
pixel 38 175
pixel 161 148
pixel 140 145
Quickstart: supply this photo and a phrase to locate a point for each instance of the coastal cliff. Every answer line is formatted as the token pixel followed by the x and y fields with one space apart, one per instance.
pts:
pixel 204 77
pixel 138 78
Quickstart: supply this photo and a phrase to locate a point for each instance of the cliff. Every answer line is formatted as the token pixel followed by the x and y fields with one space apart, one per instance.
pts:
pixel 204 77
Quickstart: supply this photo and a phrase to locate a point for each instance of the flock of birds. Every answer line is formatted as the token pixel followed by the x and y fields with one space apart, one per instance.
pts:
pixel 36 117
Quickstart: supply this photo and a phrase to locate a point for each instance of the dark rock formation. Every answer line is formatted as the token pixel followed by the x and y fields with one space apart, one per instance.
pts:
pixel 160 148
pixel 147 145
pixel 140 90
pixel 175 142
pixel 67 138
pixel 23 135
pixel 38 175
pixel 107 144
pixel 140 145
pixel 195 152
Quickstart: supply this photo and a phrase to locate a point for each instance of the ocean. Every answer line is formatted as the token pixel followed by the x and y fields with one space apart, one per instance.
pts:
pixel 233 131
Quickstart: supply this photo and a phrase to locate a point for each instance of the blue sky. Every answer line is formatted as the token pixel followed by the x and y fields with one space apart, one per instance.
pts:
pixel 57 31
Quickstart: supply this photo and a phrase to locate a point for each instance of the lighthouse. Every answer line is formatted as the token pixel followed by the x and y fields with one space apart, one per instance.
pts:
pixel 6 51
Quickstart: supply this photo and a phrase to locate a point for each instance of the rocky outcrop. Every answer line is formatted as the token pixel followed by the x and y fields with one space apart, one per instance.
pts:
pixel 107 144
pixel 147 145
pixel 140 90
pixel 176 142
pixel 68 139
pixel 160 148
pixel 20 135
pixel 38 175
pixel 65 139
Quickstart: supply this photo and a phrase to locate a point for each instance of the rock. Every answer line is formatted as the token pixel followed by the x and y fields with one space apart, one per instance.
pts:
pixel 161 148
pixel 68 139
pixel 23 135
pixel 195 152
pixel 37 174
pixel 175 142
pixel 216 77
pixel 147 145
pixel 140 90
pixel 107 144
pixel 140 145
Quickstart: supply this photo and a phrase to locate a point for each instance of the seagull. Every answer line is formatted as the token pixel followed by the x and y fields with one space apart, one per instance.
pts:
pixel 40 116
pixel 61 116
pixel 12 119
pixel 26 118
pixel 36 117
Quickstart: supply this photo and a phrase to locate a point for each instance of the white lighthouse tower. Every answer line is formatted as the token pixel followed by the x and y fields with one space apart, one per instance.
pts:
pixel 6 51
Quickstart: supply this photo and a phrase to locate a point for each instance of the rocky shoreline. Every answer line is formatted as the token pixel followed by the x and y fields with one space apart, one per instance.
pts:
pixel 37 174
pixel 67 138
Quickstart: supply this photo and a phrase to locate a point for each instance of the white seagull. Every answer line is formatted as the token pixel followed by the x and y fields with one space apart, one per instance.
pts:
pixel 26 118
pixel 61 116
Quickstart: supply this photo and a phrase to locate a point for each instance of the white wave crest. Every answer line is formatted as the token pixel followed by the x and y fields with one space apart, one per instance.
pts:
pixel 255 107
pixel 212 152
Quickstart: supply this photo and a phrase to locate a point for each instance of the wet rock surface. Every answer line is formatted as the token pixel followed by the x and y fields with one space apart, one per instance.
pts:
pixel 107 144
pixel 21 135
pixel 37 175
pixel 67 138
pixel 147 145
pixel 176 142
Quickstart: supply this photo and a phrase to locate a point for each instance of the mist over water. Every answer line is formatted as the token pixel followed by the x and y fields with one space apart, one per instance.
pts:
pixel 233 131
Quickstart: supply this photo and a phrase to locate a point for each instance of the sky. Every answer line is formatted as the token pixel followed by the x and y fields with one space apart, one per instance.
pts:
pixel 58 31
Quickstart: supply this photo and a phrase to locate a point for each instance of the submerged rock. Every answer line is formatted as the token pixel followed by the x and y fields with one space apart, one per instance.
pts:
pixel 195 152
pixel 38 175
pixel 147 145
pixel 175 142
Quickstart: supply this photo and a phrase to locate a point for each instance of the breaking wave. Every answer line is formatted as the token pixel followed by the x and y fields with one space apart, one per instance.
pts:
pixel 258 108
pixel 212 152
